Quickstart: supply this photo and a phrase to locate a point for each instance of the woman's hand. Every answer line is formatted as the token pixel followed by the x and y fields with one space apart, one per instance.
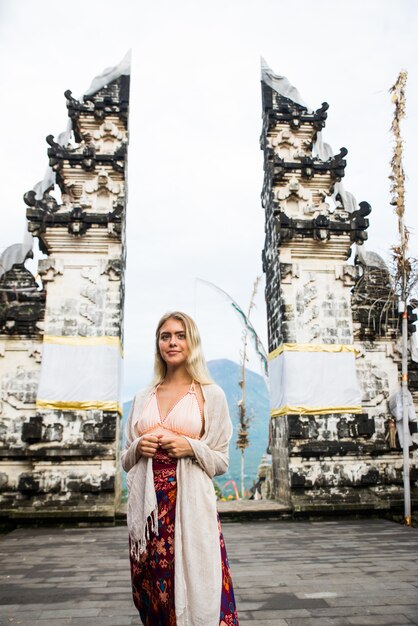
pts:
pixel 176 446
pixel 148 445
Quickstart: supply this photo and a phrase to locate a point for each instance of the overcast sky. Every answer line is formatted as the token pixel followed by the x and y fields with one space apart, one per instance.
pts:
pixel 195 167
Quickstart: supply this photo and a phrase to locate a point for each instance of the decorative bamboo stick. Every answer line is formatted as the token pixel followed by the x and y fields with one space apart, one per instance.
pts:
pixel 403 268
pixel 244 419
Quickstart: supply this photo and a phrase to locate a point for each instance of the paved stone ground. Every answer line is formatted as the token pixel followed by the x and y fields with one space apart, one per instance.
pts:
pixel 332 573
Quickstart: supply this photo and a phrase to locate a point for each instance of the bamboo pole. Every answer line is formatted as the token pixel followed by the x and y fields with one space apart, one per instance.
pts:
pixel 242 440
pixel 398 201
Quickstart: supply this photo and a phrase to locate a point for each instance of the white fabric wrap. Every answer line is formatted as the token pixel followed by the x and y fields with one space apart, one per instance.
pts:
pixel 77 369
pixel 413 345
pixel 16 253
pixel 329 381
pixel 396 408
pixel 198 567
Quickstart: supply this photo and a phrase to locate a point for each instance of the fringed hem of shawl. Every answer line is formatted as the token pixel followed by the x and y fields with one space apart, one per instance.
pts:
pixel 138 546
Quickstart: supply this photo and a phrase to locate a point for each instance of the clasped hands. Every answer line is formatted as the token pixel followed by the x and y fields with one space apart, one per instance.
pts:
pixel 175 445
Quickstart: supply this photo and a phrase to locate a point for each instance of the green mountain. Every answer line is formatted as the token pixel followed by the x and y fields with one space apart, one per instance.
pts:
pixel 226 374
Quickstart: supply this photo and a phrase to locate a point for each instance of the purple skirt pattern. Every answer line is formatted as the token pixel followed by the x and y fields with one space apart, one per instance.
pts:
pixel 153 575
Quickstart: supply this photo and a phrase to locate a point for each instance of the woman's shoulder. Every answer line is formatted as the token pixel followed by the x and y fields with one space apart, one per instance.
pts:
pixel 213 391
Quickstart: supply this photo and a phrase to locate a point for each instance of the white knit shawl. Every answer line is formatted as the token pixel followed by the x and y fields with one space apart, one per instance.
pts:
pixel 198 568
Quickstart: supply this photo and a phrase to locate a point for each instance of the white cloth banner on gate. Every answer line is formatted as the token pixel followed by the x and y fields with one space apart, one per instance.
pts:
pixel 396 408
pixel 311 378
pixel 80 373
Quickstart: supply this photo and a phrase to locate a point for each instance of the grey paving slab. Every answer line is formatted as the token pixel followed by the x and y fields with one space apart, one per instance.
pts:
pixel 359 573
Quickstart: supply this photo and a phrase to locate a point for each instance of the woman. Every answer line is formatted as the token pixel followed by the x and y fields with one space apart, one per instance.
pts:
pixel 177 438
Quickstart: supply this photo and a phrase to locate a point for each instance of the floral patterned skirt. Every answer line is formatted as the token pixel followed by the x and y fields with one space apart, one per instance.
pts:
pixel 153 575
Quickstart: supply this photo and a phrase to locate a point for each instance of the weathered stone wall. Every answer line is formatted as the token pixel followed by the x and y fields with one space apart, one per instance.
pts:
pixel 63 460
pixel 85 297
pixel 326 461
pixel 316 301
pixel 22 306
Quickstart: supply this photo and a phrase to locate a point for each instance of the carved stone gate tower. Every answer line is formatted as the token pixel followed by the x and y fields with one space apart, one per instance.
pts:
pixel 333 359
pixel 61 357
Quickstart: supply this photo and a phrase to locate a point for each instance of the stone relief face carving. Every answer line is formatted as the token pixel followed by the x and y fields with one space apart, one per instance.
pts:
pixel 296 200
pixel 73 191
pixel 98 193
pixel 108 138
pixel 293 197
pixel 101 192
pixel 289 146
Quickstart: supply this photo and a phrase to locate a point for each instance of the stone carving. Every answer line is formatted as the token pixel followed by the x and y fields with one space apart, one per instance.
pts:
pixel 348 274
pixel 113 269
pixel 108 138
pixel 101 193
pixel 49 268
pixel 109 101
pixel 22 303
pixel 288 146
pixel 32 430
pixel 70 455
pixel 374 302
pixel 19 387
pixel 309 167
pixel 265 479
pixel 36 431
pixel 329 460
pixel 101 431
pixel 284 111
pixel 374 382
pixel 53 432
pixel 322 314
pixel 102 308
pixel 83 155
pixel 48 203
pixel 293 189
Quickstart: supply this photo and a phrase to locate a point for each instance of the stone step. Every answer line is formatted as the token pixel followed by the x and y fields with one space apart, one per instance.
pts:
pixel 238 509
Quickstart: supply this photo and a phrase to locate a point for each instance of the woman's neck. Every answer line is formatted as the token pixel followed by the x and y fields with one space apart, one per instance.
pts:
pixel 177 376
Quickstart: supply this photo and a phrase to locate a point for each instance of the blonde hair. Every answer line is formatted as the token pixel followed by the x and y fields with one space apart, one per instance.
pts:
pixel 195 364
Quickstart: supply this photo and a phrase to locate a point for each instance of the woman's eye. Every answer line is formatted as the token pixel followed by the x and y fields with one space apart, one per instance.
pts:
pixel 181 336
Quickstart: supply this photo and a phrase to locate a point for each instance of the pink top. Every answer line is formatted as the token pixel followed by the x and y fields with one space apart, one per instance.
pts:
pixel 184 418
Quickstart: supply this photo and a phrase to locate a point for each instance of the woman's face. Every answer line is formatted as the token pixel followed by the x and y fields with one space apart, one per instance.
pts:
pixel 172 343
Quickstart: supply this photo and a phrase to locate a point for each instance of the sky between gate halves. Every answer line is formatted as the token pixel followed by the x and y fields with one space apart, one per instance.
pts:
pixel 195 167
